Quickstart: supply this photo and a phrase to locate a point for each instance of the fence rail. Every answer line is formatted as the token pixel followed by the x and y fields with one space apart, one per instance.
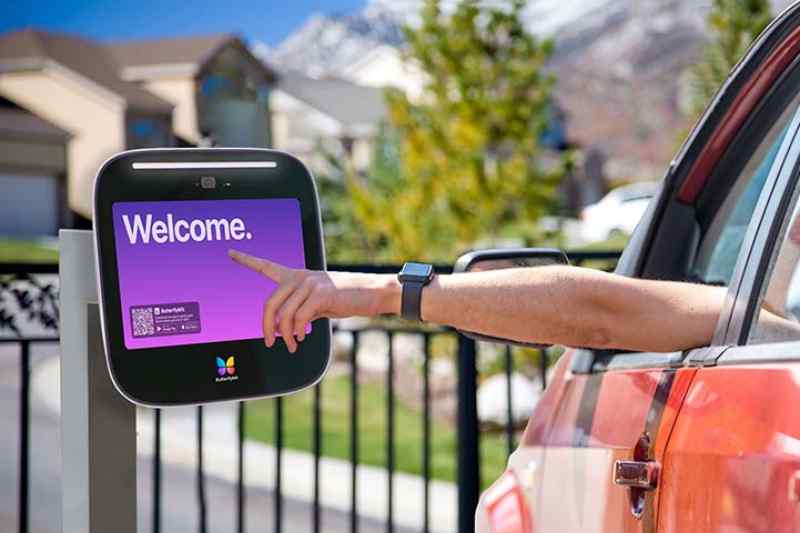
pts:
pixel 27 294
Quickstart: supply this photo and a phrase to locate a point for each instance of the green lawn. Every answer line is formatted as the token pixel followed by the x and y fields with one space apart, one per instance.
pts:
pixel 14 251
pixel 297 410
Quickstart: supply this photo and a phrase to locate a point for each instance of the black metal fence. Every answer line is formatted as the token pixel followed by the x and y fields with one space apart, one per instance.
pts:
pixel 34 300
pixel 31 300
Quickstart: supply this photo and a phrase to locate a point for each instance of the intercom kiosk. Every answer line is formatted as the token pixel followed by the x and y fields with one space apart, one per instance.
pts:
pixel 181 321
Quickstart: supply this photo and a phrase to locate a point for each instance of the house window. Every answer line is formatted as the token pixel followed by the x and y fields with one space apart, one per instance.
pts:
pixel 148 132
pixel 229 76
pixel 232 106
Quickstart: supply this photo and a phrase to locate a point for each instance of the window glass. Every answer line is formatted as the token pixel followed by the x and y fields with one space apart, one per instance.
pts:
pixel 778 318
pixel 722 241
pixel 229 76
pixel 231 96
pixel 148 132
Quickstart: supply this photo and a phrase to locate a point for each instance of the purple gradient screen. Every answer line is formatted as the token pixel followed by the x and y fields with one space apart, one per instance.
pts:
pixel 177 284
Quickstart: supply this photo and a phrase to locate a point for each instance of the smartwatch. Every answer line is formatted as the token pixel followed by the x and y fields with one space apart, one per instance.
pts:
pixel 413 277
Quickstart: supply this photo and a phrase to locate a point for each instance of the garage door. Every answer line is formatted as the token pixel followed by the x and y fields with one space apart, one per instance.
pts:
pixel 28 206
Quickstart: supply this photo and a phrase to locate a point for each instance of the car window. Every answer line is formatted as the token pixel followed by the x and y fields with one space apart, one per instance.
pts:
pixel 719 248
pixel 778 316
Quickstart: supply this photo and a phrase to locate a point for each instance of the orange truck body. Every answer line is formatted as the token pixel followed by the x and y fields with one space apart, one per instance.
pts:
pixel 719 426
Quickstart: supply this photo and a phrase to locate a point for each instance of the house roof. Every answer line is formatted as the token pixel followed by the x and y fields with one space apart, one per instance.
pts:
pixel 181 50
pixel 139 57
pixel 29 49
pixel 349 104
pixel 19 122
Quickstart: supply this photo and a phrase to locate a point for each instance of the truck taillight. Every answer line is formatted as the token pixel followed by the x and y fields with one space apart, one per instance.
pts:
pixel 506 506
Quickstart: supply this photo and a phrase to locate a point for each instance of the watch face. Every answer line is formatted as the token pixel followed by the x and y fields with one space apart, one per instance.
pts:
pixel 419 271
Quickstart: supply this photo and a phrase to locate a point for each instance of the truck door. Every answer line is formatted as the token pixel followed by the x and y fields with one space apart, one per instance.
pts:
pixel 733 461
pixel 606 437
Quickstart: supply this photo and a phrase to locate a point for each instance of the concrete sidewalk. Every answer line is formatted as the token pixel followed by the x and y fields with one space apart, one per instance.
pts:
pixel 179 448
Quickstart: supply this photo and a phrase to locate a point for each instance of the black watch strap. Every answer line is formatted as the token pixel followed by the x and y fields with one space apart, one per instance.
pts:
pixel 411 300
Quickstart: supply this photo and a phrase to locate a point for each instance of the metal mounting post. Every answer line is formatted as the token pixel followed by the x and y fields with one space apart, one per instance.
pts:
pixel 98 426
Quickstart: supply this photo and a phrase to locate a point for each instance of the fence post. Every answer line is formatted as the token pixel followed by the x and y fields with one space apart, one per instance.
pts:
pixel 469 478
pixel 24 434
pixel 98 426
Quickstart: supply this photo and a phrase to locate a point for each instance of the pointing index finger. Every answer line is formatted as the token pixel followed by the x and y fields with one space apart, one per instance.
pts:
pixel 259 264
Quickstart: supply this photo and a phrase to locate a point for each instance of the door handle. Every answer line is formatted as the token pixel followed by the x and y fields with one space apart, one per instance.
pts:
pixel 636 474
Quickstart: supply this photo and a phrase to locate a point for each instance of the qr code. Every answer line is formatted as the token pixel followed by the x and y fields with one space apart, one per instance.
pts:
pixel 142 318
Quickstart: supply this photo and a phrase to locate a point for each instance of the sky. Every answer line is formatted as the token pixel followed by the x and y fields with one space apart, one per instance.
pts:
pixel 269 21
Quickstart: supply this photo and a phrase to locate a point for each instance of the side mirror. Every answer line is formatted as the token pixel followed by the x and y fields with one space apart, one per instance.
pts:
pixel 483 260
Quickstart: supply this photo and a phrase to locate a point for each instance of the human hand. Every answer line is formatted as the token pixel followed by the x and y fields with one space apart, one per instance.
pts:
pixel 303 296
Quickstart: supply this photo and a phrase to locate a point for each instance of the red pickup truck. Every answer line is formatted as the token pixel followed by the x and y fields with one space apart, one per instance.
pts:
pixel 707 439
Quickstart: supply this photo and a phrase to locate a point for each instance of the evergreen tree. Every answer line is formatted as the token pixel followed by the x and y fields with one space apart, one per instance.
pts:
pixel 734 25
pixel 463 162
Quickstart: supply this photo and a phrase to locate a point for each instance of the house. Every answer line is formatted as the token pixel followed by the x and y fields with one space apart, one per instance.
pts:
pixel 105 98
pixel 385 66
pixel 219 89
pixel 72 83
pixel 312 117
pixel 33 168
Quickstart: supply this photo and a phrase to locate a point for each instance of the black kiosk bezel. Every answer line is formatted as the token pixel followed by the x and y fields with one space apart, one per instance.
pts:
pixel 185 375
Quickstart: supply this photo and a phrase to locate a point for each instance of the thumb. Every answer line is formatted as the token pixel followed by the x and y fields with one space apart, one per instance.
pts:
pixel 259 264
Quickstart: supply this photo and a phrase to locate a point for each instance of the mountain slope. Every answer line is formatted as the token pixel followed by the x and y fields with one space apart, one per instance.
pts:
pixel 326 44
pixel 619 65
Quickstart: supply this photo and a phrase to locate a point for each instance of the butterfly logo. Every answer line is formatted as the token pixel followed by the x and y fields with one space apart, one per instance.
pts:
pixel 224 366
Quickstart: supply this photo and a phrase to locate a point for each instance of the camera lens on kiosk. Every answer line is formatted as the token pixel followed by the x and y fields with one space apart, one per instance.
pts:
pixel 208 182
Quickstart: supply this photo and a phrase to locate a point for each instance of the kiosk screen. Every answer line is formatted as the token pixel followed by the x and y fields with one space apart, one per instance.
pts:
pixel 178 285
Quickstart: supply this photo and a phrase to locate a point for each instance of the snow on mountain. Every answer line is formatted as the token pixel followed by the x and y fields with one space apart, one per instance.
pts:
pixel 329 43
pixel 550 17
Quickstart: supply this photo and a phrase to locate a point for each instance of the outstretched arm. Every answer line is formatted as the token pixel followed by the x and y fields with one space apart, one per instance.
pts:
pixel 553 305
pixel 576 307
